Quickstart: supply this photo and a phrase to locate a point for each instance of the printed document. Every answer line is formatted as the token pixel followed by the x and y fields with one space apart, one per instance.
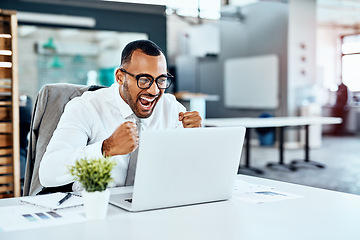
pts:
pixel 255 193
pixel 20 217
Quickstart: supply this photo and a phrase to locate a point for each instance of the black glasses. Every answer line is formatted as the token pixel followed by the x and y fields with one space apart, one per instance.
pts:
pixel 144 81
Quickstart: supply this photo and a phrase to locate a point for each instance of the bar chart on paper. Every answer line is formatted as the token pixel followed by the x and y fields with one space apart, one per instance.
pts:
pixel 21 217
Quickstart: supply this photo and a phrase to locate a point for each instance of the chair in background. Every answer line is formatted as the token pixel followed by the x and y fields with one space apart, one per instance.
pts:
pixel 49 106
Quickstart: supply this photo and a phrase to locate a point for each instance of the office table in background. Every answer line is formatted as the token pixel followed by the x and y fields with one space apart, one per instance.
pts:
pixel 196 101
pixel 277 122
pixel 319 214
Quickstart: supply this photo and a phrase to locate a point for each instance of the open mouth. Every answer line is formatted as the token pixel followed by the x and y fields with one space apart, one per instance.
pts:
pixel 146 103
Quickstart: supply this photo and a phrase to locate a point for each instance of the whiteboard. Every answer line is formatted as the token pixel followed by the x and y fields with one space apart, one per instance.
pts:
pixel 251 82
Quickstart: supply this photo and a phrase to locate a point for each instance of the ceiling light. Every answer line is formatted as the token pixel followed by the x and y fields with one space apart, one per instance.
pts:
pixel 56 19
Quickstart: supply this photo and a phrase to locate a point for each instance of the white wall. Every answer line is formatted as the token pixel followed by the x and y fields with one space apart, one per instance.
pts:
pixel 202 40
pixel 174 28
pixel 301 51
pixel 185 36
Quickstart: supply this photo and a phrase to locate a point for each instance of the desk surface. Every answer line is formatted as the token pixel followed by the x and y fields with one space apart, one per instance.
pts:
pixel 186 96
pixel 270 122
pixel 320 214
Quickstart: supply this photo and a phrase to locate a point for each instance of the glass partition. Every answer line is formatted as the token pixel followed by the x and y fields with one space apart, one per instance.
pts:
pixel 67 55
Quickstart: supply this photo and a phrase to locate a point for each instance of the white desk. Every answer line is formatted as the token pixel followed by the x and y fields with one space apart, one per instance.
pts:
pixel 278 122
pixel 320 215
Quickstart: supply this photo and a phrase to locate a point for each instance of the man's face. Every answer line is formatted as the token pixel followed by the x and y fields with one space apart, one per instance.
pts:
pixel 141 101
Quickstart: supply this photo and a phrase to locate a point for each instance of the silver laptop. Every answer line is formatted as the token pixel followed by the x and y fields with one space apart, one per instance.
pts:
pixel 183 167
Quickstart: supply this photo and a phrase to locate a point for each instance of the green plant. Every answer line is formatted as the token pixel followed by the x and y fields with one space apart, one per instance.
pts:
pixel 94 173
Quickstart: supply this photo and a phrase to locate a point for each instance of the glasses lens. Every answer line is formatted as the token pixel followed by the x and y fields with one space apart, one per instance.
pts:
pixel 144 82
pixel 164 82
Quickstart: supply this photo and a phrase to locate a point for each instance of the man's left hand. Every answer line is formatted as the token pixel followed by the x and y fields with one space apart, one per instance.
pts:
pixel 190 119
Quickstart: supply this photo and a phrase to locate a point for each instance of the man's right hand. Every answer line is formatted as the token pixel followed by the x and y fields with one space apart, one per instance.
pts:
pixel 124 140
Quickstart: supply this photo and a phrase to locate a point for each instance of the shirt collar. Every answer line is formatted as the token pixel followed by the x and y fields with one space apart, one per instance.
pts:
pixel 124 108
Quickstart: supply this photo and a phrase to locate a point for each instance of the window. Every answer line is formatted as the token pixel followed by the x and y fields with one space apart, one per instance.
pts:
pixel 350 61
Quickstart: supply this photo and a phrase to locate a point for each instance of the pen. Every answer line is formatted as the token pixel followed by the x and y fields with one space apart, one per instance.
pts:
pixel 67 196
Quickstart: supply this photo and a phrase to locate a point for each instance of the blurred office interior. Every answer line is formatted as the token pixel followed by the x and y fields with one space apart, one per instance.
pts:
pixel 292 55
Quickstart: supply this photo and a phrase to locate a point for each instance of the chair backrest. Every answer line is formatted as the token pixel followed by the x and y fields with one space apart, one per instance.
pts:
pixel 49 106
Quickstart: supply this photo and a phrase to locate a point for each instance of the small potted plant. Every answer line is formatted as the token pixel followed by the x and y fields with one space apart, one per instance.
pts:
pixel 95 175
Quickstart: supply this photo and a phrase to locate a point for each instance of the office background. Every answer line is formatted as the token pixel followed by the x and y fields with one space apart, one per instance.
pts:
pixel 304 35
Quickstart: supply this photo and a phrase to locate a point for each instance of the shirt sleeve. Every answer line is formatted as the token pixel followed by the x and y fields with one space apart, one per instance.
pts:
pixel 68 143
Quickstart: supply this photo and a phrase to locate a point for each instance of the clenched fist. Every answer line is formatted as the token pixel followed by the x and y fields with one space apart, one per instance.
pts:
pixel 124 140
pixel 190 119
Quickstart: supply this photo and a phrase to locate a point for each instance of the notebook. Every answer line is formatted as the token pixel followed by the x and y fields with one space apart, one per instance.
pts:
pixel 50 201
pixel 183 167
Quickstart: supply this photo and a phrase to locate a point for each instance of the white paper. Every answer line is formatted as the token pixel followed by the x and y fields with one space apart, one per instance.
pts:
pixel 20 217
pixel 255 193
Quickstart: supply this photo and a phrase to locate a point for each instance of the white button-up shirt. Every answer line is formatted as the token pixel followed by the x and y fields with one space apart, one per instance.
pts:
pixel 87 121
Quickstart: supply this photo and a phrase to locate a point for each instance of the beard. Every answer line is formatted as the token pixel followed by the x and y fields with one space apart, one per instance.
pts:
pixel 133 102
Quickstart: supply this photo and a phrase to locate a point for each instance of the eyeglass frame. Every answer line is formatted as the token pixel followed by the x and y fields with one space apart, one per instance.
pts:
pixel 138 76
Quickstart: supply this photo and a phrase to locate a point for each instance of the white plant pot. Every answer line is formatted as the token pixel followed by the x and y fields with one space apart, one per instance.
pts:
pixel 96 204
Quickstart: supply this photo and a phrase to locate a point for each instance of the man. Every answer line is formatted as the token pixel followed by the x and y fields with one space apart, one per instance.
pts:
pixel 340 109
pixel 104 122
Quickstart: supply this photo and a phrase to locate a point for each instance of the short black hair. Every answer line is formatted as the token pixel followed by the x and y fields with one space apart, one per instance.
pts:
pixel 146 46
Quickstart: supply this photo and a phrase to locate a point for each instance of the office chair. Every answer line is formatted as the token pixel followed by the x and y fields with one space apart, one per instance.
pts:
pixel 49 106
